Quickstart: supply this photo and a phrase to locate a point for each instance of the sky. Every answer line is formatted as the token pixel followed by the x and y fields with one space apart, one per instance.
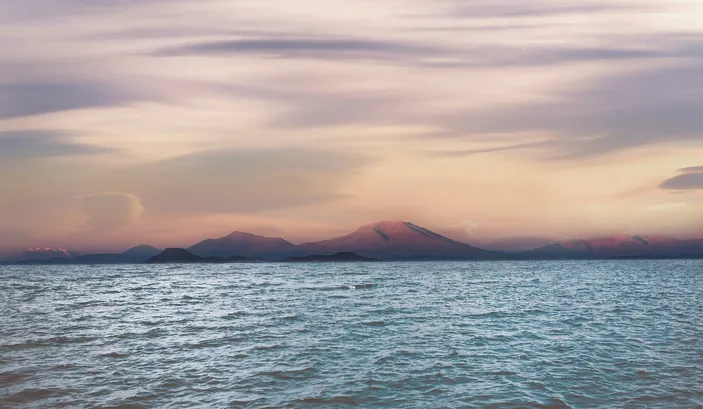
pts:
pixel 496 122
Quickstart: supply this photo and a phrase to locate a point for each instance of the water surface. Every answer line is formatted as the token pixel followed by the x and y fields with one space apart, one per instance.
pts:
pixel 576 334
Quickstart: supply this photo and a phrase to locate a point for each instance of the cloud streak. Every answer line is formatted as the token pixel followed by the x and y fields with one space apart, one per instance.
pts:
pixel 687 181
pixel 474 55
pixel 316 48
pixel 616 113
pixel 533 8
pixel 27 99
pixel 44 144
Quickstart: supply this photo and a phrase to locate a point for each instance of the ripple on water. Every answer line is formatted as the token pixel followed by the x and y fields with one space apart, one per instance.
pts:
pixel 33 395
pixel 10 377
pixel 499 335
pixel 329 401
pixel 292 374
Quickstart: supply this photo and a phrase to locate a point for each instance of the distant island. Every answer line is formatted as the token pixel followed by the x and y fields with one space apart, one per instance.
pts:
pixel 176 255
pixel 380 241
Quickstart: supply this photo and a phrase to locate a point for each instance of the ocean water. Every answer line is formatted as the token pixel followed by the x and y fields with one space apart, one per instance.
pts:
pixel 577 334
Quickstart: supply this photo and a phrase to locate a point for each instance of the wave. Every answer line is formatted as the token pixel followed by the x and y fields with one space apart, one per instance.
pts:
pixel 33 395
pixel 42 343
pixel 361 286
pixel 7 378
pixel 292 374
pixel 114 355
pixel 335 400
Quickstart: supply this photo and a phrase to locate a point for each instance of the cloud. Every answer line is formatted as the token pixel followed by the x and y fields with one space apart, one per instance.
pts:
pixel 652 106
pixel 16 145
pixel 692 169
pixel 686 181
pixel 476 55
pixel 532 8
pixel 31 98
pixel 470 152
pixel 25 10
pixel 289 47
pixel 109 211
pixel 230 182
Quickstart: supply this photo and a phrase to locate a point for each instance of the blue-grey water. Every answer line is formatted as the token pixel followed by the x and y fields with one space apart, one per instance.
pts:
pixel 617 334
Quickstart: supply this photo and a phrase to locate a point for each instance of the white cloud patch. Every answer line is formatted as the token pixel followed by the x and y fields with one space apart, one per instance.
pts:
pixel 108 211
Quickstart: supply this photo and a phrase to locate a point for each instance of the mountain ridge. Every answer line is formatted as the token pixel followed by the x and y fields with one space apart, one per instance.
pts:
pixel 619 246
pixel 384 240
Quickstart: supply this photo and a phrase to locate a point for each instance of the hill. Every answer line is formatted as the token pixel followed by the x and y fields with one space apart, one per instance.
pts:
pixel 174 255
pixel 245 244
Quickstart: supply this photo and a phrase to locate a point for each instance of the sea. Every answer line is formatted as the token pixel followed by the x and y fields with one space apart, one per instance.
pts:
pixel 536 334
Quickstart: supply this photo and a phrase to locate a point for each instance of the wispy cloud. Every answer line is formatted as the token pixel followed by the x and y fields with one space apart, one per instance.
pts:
pixel 535 8
pixel 42 144
pixel 692 179
pixel 613 114
pixel 26 99
pixel 470 152
pixel 321 48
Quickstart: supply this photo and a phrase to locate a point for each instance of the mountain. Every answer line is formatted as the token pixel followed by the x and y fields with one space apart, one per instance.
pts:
pixel 620 246
pixel 41 254
pixel 137 254
pixel 337 257
pixel 388 240
pixel 245 244
pixel 134 255
pixel 173 255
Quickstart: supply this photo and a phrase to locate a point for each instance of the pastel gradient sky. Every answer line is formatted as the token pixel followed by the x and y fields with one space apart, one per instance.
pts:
pixel 167 121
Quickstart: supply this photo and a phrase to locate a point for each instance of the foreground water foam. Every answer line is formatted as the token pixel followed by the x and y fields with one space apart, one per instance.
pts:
pixel 409 335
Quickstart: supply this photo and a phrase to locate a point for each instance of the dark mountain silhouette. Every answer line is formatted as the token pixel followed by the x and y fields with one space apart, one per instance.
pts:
pixel 337 257
pixel 143 250
pixel 388 240
pixel 134 255
pixel 173 255
pixel 245 244
pixel 620 246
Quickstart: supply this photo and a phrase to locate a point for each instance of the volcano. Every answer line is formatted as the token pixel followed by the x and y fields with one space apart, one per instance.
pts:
pixel 388 240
